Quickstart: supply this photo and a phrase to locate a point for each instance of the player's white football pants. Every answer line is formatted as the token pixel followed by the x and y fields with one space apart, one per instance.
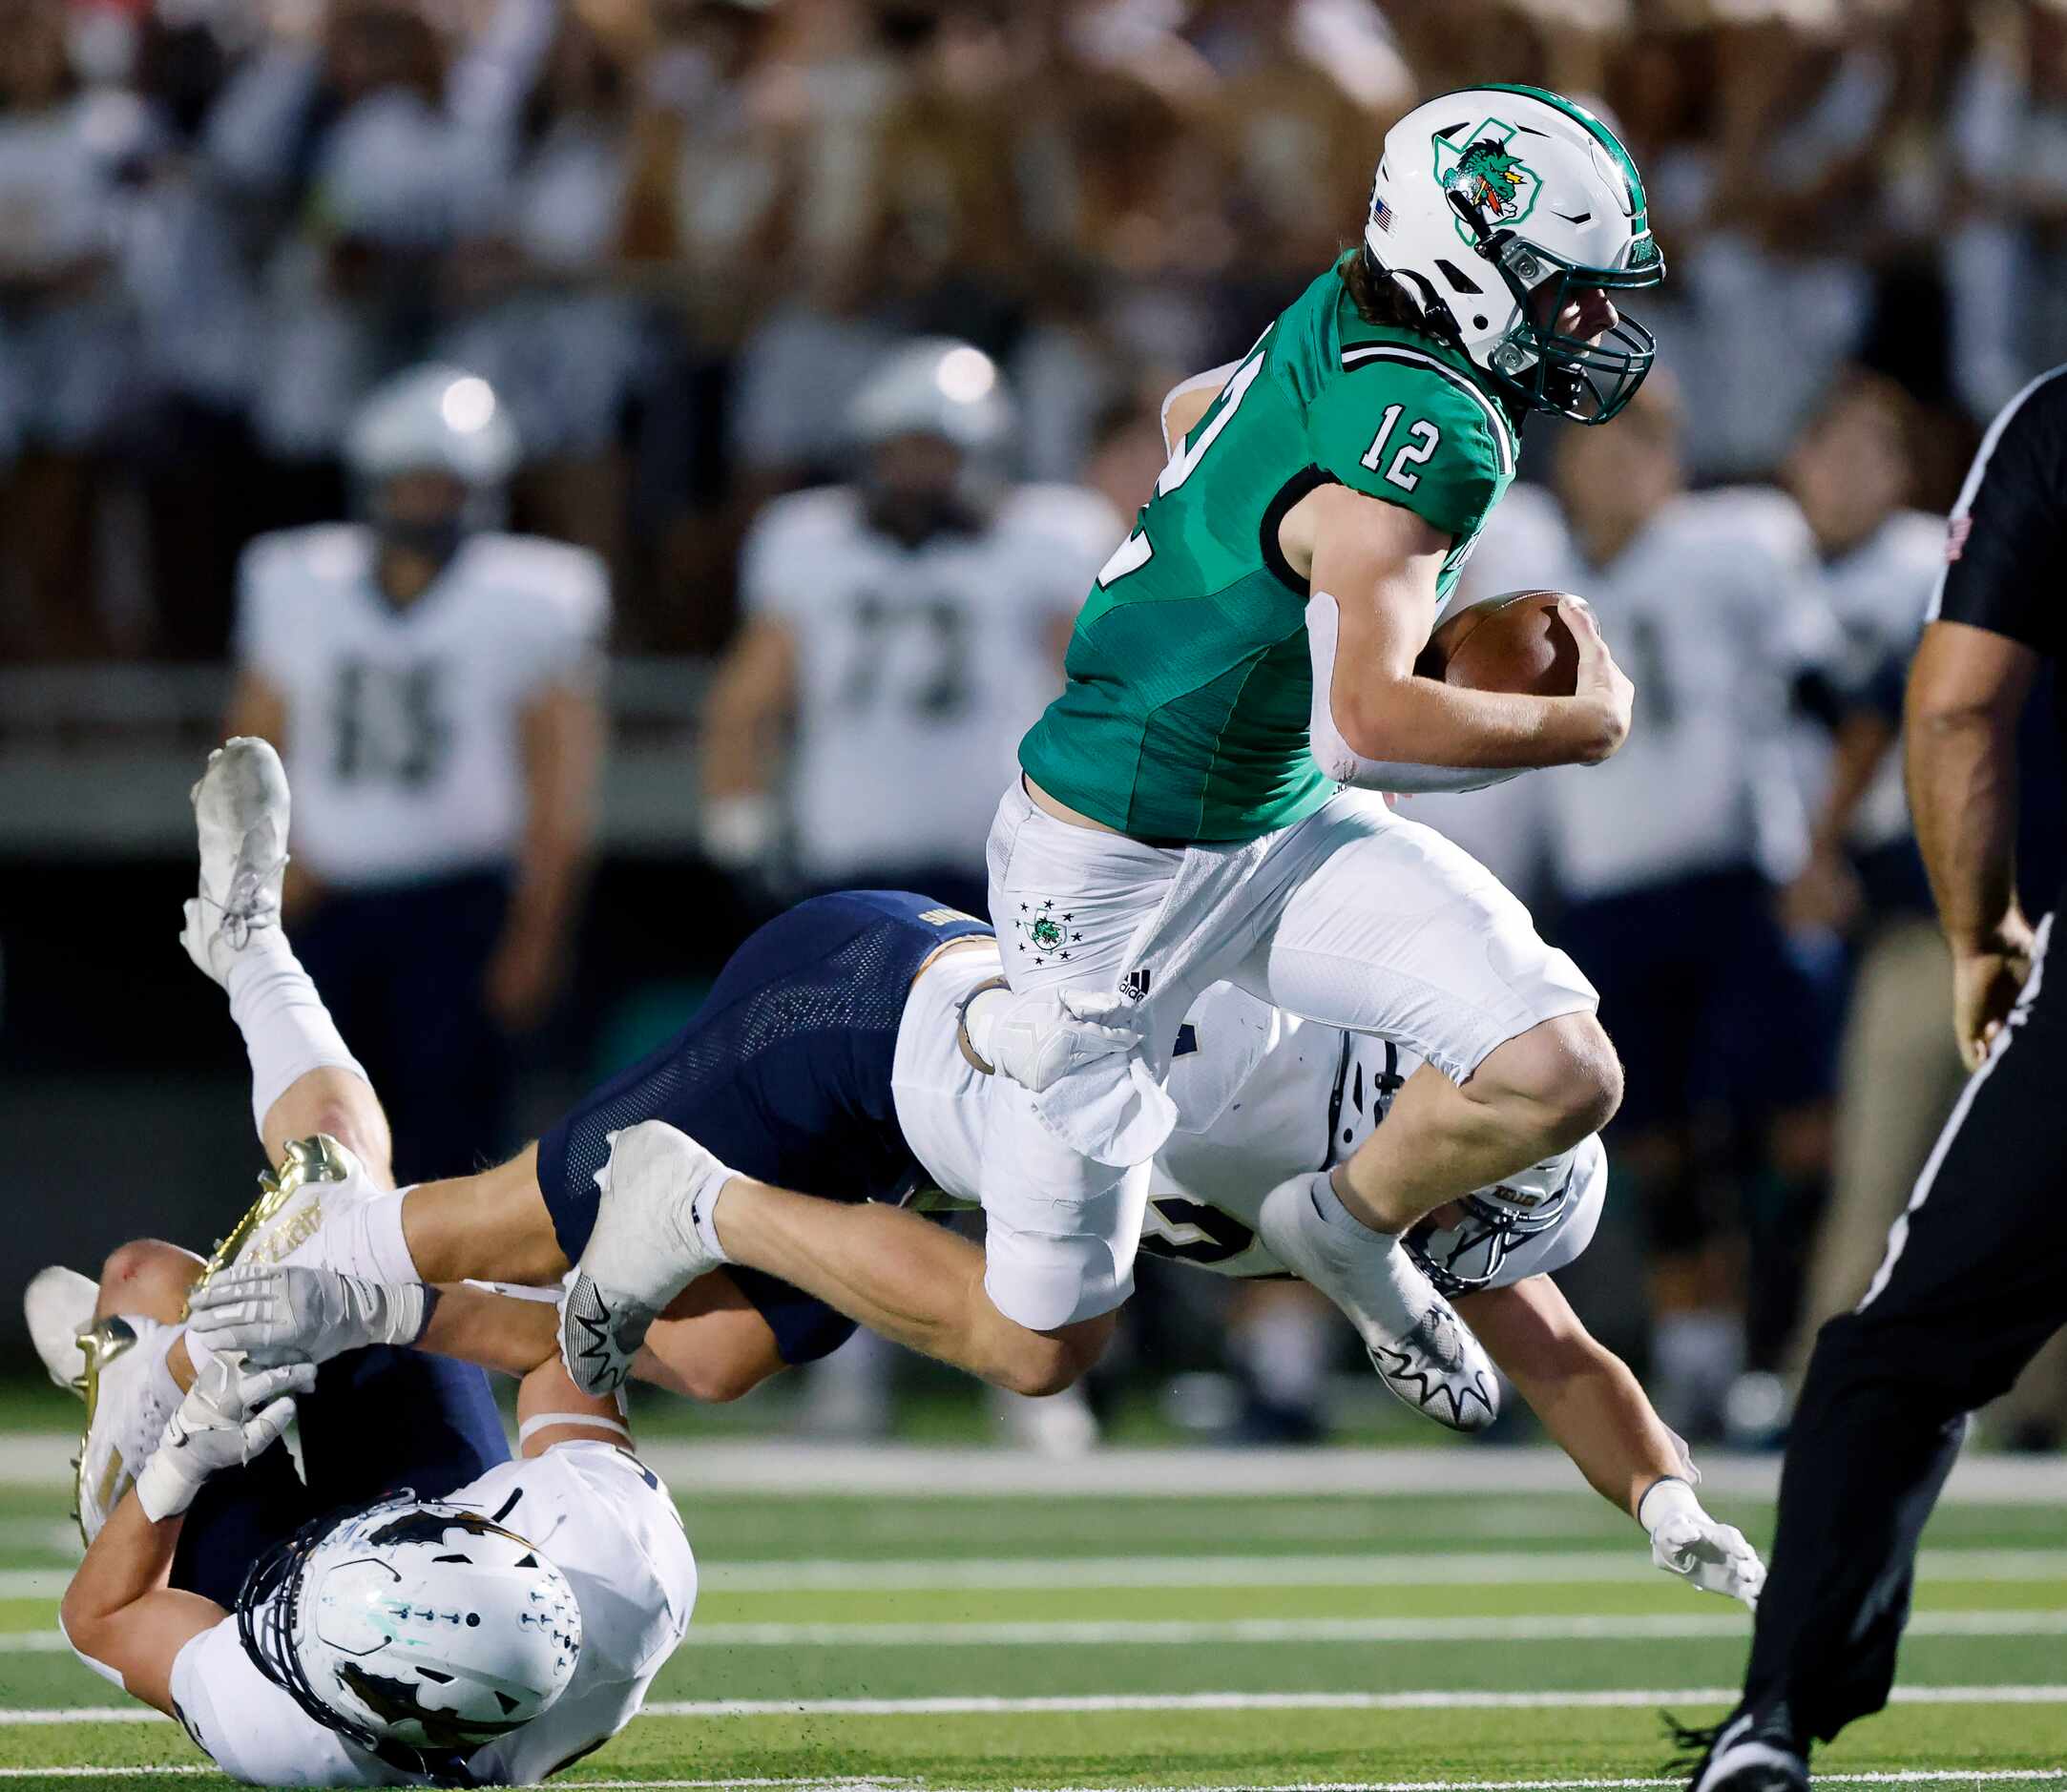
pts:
pixel 1354 917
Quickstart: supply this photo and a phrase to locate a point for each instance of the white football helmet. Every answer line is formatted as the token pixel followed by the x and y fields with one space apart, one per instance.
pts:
pixel 934 385
pixel 412 1627
pixel 434 419
pixel 1491 205
pixel 1533 1224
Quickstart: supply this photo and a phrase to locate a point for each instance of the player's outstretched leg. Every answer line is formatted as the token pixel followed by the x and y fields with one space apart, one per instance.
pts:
pixel 657 1192
pixel 240 810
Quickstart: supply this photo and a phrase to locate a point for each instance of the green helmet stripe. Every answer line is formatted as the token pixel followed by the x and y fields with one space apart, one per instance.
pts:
pixel 1640 222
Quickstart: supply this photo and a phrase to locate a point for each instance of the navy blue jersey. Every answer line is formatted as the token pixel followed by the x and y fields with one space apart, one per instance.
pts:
pixel 378 1421
pixel 783 1075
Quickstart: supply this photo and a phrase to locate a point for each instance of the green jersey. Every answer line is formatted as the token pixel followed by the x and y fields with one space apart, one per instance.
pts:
pixel 1190 689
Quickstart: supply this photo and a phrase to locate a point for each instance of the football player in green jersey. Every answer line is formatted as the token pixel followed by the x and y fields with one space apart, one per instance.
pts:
pixel 1247 656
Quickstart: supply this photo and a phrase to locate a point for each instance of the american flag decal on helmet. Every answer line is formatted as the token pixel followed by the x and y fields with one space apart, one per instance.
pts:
pixel 1381 214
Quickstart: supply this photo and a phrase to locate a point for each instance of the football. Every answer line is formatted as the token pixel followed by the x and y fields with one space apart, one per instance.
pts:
pixel 1516 641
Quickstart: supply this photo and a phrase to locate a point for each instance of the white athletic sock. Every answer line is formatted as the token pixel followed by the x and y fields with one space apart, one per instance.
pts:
pixel 1364 1272
pixel 366 1239
pixel 287 1030
pixel 704 1211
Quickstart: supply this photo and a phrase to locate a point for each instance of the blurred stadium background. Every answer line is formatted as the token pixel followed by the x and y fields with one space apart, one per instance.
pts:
pixel 679 236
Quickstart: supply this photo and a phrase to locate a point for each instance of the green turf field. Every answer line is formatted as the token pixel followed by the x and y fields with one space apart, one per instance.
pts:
pixel 1170 1640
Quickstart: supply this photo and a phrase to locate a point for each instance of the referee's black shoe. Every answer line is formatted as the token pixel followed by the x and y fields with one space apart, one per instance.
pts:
pixel 1744 1754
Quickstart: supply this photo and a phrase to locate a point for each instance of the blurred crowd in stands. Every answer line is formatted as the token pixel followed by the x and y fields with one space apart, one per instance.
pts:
pixel 678 231
pixel 678 237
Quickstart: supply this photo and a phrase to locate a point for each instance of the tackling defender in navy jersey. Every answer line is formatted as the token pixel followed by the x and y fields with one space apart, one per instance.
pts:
pixel 845 1047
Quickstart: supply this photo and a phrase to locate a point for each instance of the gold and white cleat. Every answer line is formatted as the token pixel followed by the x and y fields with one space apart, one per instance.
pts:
pixel 129 1395
pixel 58 1305
pixel 240 810
pixel 291 1205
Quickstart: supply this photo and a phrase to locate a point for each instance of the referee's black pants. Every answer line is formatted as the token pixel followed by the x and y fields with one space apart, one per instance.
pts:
pixel 1974 1281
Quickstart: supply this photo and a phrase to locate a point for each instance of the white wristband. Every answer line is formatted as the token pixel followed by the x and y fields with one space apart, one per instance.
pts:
pixel 165 1489
pixel 1668 1497
pixel 546 1420
pixel 1338 760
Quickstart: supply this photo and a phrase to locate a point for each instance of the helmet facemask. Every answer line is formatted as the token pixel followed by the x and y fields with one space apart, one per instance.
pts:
pixel 1471 1254
pixel 1539 367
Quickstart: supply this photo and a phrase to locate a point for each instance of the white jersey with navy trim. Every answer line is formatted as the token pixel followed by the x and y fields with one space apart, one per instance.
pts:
pixel 1877 593
pixel 603 1518
pixel 918 669
pixel 403 723
pixel 1260 1096
pixel 1712 609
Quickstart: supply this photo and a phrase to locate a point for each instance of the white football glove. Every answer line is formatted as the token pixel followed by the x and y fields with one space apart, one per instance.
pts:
pixel 1045 1033
pixel 286 1313
pixel 231 1416
pixel 1686 1542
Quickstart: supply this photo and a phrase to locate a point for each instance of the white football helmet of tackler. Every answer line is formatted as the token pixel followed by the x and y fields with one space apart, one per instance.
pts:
pixel 1491 206
pixel 413 1627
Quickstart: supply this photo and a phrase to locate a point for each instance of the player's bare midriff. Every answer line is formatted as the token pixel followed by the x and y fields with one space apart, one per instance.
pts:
pixel 1060 810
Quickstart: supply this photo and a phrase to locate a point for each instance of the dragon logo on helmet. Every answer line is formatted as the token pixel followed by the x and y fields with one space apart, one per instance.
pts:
pixel 1479 167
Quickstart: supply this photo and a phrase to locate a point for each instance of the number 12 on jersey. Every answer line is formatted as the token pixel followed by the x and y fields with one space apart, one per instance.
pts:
pixel 1425 439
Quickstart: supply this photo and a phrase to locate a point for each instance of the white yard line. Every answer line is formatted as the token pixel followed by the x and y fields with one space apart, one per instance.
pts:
pixel 1447 1569
pixel 1911 1776
pixel 1916 1776
pixel 1726 1625
pixel 788 1466
pixel 986 1705
pixel 1491 1568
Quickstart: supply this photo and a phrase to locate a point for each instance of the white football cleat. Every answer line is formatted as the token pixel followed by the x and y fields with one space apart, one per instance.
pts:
pixel 644 1250
pixel 58 1305
pixel 1442 1371
pixel 240 813
pixel 1423 1352
pixel 130 1393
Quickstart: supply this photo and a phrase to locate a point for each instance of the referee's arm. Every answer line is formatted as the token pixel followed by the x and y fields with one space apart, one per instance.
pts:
pixel 1964 693
pixel 1994 616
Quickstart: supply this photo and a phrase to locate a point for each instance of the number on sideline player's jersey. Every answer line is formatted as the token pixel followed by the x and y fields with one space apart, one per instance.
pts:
pixel 1712 608
pixel 917 669
pixel 603 1519
pixel 404 722
pixel 1190 687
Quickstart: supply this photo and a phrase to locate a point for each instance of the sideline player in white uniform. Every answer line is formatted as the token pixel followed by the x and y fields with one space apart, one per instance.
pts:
pixel 906 628
pixel 1671 858
pixel 434 685
pixel 492 1637
pixel 874 1049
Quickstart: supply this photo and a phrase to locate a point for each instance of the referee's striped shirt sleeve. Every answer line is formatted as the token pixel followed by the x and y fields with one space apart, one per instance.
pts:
pixel 2006 539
